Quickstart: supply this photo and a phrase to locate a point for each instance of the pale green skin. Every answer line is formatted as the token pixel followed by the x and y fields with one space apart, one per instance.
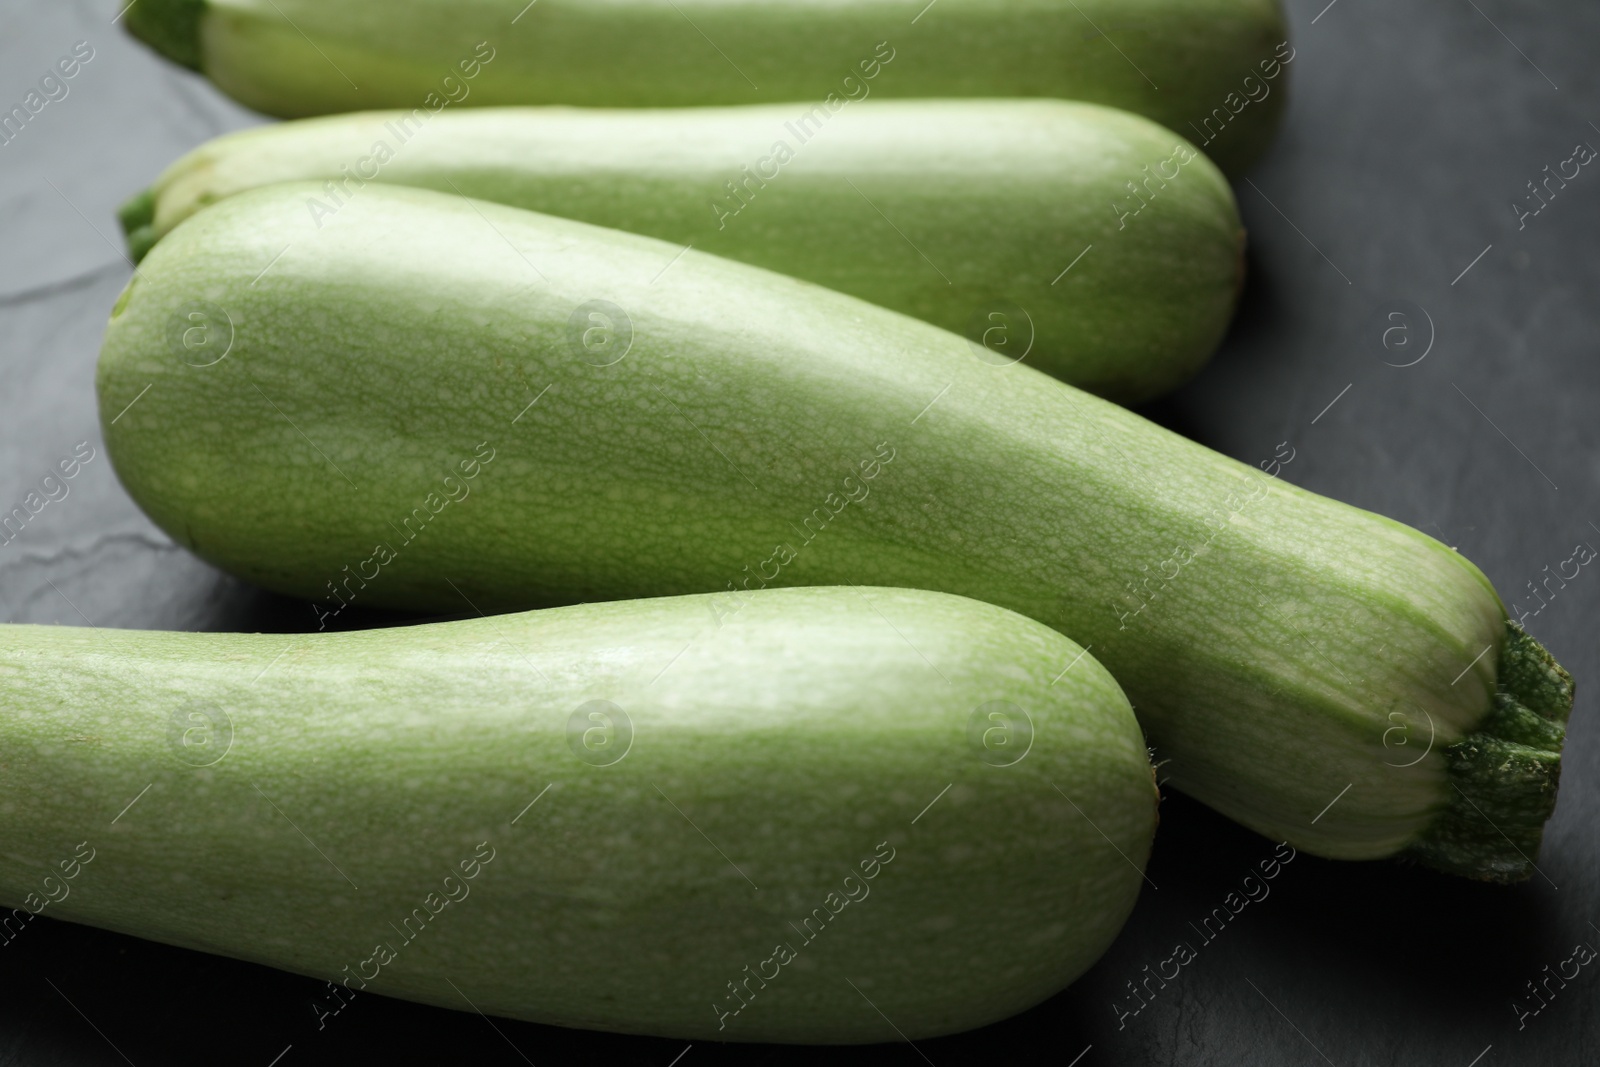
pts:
pixel 1175 61
pixel 1001 197
pixel 797 737
pixel 407 330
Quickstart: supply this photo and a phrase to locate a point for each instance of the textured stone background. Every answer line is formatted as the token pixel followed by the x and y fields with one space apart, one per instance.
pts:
pixel 1411 129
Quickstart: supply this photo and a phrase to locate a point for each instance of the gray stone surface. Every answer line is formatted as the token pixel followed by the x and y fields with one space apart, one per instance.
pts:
pixel 1411 129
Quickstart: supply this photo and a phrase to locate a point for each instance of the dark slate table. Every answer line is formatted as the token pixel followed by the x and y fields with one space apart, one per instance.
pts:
pixel 1429 354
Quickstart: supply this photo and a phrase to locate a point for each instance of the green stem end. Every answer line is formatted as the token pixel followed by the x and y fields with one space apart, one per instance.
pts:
pixel 1503 777
pixel 171 27
pixel 138 216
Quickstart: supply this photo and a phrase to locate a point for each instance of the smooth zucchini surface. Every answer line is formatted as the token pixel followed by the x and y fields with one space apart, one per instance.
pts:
pixel 304 407
pixel 1215 65
pixel 1091 243
pixel 616 816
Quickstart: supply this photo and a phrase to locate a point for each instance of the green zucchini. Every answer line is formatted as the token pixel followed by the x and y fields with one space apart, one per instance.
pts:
pixel 1210 64
pixel 968 214
pixel 286 401
pixel 608 816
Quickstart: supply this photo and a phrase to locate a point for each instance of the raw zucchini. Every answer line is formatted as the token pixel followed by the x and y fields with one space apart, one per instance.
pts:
pixel 611 816
pixel 968 214
pixel 1180 62
pixel 299 406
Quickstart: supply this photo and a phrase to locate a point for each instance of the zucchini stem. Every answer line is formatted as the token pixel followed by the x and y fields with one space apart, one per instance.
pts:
pixel 1503 777
pixel 171 27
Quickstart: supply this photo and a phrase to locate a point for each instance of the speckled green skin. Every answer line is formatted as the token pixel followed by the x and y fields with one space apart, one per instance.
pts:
pixel 1001 197
pixel 1303 648
pixel 1172 60
pixel 794 738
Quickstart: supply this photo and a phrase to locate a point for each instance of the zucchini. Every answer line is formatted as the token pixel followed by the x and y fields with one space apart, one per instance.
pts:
pixel 609 816
pixel 1324 675
pixel 1179 62
pixel 951 211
